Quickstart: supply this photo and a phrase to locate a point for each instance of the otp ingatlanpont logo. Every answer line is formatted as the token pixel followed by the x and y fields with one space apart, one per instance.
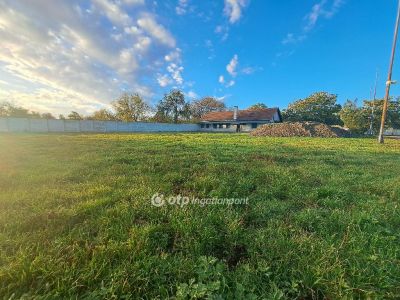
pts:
pixel 157 200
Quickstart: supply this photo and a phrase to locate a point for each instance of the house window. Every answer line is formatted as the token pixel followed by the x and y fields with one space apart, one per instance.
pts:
pixel 254 125
pixel 228 125
pixel 207 125
pixel 215 126
pixel 221 126
pixel 202 125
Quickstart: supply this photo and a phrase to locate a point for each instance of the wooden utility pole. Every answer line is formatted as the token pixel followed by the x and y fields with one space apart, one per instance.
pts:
pixel 389 82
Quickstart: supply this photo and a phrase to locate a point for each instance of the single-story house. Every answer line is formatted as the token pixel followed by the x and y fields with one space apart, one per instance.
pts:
pixel 239 120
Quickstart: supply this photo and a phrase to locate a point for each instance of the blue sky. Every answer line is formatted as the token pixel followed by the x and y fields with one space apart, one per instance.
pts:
pixel 58 56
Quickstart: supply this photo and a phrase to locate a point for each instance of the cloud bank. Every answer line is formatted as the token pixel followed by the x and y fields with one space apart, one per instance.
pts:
pixel 70 54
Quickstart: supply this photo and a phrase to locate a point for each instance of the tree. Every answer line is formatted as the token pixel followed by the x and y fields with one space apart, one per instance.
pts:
pixel 354 118
pixel 74 116
pixel 393 112
pixel 358 119
pixel 319 107
pixel 103 115
pixel 3 109
pixel 61 117
pixel 130 108
pixel 206 105
pixel 35 115
pixel 8 109
pixel 47 116
pixel 258 106
pixel 171 107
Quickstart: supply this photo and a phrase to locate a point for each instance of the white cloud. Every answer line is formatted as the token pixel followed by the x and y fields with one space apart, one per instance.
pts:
pixel 289 39
pixel 64 57
pixel 231 67
pixel 324 9
pixel 192 95
pixel 148 24
pixel 143 44
pixel 163 80
pixel 174 70
pixel 230 83
pixel 233 9
pixel 221 98
pixel 182 6
pixel 128 63
pixel 113 12
pixel 250 70
pixel 221 79
pixel 133 2
pixel 293 39
pixel 173 56
pixel 320 10
pixel 223 31
pixel 132 30
pixel 176 73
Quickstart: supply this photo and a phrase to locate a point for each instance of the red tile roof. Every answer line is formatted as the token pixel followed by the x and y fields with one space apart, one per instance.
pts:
pixel 243 115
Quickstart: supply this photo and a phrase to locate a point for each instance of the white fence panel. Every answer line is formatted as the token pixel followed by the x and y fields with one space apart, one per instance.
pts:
pixel 72 126
pixel 100 126
pixel 38 125
pixel 122 127
pixel 3 125
pixel 43 125
pixel 18 124
pixel 111 126
pixel 86 126
pixel 56 125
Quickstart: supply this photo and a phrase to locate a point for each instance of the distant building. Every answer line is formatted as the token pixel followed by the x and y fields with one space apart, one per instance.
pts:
pixel 239 120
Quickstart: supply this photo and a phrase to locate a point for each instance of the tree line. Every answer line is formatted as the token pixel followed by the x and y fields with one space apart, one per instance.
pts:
pixel 173 108
pixel 323 107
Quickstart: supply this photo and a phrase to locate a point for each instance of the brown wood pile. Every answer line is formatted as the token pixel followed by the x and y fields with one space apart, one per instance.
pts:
pixel 301 129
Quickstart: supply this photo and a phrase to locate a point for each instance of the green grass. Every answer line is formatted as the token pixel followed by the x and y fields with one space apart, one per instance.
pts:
pixel 76 220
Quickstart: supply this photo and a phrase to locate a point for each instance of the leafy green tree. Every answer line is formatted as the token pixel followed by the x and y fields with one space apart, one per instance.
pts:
pixel 375 107
pixel 319 107
pixel 130 108
pixel 358 119
pixel 187 113
pixel 354 118
pixel 61 117
pixel 103 115
pixel 172 107
pixel 258 106
pixel 74 116
pixel 206 105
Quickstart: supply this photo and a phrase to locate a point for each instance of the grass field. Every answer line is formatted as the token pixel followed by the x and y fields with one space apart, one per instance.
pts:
pixel 76 220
